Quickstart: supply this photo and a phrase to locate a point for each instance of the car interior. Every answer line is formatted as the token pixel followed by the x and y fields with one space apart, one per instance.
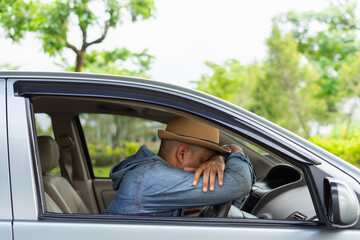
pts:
pixel 80 138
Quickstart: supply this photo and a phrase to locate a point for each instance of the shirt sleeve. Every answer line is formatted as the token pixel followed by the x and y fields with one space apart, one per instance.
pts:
pixel 173 188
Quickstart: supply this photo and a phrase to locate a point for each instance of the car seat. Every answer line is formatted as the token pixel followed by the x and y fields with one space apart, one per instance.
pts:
pixel 57 187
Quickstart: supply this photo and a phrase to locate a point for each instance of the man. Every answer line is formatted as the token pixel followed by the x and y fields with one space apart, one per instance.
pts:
pixel 179 176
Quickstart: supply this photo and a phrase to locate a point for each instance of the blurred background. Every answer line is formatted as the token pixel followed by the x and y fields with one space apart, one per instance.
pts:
pixel 295 63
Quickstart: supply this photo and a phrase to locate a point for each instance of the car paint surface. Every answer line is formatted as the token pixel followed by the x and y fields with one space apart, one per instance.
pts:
pixel 5 200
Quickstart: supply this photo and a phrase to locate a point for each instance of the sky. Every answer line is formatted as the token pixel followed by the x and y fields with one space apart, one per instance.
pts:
pixel 184 35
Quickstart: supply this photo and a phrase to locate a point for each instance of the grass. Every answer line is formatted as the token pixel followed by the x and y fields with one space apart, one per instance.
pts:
pixel 99 172
pixel 102 172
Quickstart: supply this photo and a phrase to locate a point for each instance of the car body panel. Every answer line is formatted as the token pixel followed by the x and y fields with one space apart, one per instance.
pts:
pixel 147 230
pixel 5 198
pixel 21 154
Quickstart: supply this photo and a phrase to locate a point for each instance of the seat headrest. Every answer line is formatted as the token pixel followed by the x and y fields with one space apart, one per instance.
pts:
pixel 49 153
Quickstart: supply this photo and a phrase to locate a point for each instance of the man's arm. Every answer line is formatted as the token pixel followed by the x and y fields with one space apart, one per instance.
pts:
pixel 175 189
pixel 209 169
pixel 214 166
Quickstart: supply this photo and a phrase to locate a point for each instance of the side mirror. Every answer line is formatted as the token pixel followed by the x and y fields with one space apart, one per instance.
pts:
pixel 341 203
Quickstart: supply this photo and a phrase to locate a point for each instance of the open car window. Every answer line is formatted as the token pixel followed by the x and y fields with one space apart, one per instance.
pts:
pixel 95 134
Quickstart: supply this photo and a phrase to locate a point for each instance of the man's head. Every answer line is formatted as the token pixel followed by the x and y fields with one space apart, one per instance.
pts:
pixel 186 143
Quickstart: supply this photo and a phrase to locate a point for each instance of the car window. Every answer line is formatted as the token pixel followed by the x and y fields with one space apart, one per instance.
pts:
pixel 101 140
pixel 112 138
pixel 270 157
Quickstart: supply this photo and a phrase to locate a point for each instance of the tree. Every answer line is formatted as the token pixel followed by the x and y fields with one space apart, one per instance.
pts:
pixel 233 82
pixel 328 39
pixel 112 62
pixel 291 86
pixel 349 76
pixel 53 21
pixel 282 89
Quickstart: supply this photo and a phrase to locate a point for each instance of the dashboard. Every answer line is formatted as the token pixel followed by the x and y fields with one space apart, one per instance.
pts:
pixel 281 194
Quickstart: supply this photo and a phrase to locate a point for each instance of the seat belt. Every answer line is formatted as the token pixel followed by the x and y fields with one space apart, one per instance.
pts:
pixel 66 163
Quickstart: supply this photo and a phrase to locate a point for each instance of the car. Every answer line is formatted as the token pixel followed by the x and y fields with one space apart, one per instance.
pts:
pixel 61 133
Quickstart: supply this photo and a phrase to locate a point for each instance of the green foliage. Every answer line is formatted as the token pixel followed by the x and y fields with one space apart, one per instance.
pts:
pixel 281 89
pixel 291 85
pixel 112 62
pixel 102 172
pixel 233 82
pixel 16 17
pixel 140 9
pixel 308 73
pixel 349 76
pixel 112 138
pixel 101 156
pixel 109 130
pixel 103 159
pixel 8 66
pixel 328 39
pixel 55 171
pixel 347 148
pixel 52 21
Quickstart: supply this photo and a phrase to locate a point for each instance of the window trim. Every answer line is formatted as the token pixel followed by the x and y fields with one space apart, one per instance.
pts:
pixel 198 221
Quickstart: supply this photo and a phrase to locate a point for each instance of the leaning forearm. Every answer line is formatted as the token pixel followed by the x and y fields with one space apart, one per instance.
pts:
pixel 239 168
pixel 178 191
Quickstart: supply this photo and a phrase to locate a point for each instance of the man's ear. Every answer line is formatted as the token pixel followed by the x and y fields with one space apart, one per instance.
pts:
pixel 181 152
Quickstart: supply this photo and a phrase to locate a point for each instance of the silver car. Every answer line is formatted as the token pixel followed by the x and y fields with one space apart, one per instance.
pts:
pixel 61 133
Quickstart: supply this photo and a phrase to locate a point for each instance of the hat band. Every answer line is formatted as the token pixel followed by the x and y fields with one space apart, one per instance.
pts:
pixel 197 138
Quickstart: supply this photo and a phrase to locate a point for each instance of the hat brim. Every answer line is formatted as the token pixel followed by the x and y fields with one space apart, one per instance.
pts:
pixel 163 134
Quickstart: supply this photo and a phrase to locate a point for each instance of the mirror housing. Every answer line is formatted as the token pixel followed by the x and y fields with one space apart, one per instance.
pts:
pixel 341 204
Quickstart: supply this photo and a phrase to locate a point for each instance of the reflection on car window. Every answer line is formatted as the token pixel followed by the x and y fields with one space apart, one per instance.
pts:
pixel 270 157
pixel 43 125
pixel 44 128
pixel 112 138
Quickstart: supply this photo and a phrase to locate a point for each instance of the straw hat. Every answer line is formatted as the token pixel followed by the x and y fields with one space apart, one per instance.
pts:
pixel 193 132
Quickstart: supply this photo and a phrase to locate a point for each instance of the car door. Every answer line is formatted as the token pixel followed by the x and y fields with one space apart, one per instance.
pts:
pixel 32 222
pixel 5 200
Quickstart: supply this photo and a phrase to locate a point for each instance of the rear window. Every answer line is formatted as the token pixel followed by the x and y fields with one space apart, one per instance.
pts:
pixel 112 138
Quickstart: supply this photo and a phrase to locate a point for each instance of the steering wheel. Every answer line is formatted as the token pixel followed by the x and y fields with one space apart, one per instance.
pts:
pixel 217 210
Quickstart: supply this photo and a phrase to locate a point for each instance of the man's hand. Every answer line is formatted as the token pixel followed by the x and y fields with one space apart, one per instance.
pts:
pixel 235 148
pixel 209 169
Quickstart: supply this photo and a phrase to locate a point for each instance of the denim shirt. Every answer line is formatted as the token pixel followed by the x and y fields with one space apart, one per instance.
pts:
pixel 148 185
